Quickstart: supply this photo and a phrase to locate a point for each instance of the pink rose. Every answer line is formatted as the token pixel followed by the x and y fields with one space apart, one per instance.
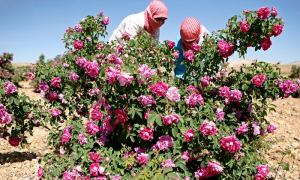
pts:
pixel 266 43
pixel 263 13
pixel 168 163
pixel 78 28
pixel 56 82
pixel 220 113
pixel 235 95
pixel 146 133
pixel 230 144
pixel 169 119
pixel 277 30
pixel 244 26
pixel 105 20
pixel 52 96
pixel 112 74
pixel 81 62
pixel 176 54
pixel 213 168
pixel 96 115
pixel 171 44
pixel 224 92
pixel 66 136
pixel 222 46
pixel 10 88
pixel 189 56
pixel 92 129
pixel 94 157
pixel 208 128
pixel 5 117
pixel 195 100
pixel 243 129
pixel 205 81
pixel 159 89
pixel 195 47
pixel 82 138
pixel 31 76
pixel 142 159
pixel 94 168
pixel 78 45
pixel 272 128
pixel 14 141
pixel 263 170
pixel 288 87
pixel 258 80
pixel 73 76
pixel 124 78
pixel 165 142
pixel 40 172
pixel 147 100
pixel 121 115
pixel 92 68
pixel 259 177
pixel 274 11
pixel 189 135
pixel 173 94
pixel 44 86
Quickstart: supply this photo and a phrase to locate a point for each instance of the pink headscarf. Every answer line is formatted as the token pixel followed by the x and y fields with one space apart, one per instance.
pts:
pixel 190 30
pixel 156 9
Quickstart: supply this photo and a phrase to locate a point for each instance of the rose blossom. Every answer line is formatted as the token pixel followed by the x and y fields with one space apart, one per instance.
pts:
pixel 142 159
pixel 81 62
pixel 94 157
pixel 195 99
pixel 224 92
pixel 263 170
pixel 244 26
pixel 92 129
pixel 235 95
pixel 56 82
pixel 274 11
pixel 52 96
pixel 40 172
pixel 73 76
pixel 259 177
pixel 165 142
pixel 208 128
pixel 168 163
pixel 102 140
pixel 205 81
pixel 105 20
pixel 146 72
pixel 94 168
pixel 213 168
pixel 159 89
pixel 126 36
pixel 176 54
pixel 258 80
pixel 78 28
pixel 5 117
pixel 186 156
pixel 189 56
pixel 96 115
pixel 171 44
pixel 66 136
pixel 169 119
pixel 112 74
pixel 146 100
pixel 266 43
pixel 82 138
pixel 189 135
pixel 10 88
pixel 173 94
pixel 230 144
pixel 272 128
pixel 220 113
pixel 277 30
pixel 121 115
pixel 263 12
pixel 195 47
pixel 78 45
pixel 243 129
pixel 288 87
pixel 92 68
pixel 31 76
pixel 124 78
pixel 256 128
pixel 14 141
pixel 146 133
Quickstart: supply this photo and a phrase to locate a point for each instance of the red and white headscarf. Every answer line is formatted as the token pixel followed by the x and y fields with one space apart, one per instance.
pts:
pixel 156 9
pixel 191 30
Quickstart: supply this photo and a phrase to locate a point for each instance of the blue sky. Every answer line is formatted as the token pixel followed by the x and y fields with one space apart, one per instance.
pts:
pixel 32 27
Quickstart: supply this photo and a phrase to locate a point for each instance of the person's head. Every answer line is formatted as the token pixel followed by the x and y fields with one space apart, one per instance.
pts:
pixel 155 15
pixel 190 31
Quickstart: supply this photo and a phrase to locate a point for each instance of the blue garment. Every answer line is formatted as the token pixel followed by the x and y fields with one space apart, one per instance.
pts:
pixel 180 69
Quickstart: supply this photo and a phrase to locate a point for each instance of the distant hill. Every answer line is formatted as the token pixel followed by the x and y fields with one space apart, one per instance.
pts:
pixel 294 63
pixel 240 62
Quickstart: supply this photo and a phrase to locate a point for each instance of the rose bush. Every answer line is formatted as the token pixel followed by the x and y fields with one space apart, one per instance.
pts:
pixel 116 111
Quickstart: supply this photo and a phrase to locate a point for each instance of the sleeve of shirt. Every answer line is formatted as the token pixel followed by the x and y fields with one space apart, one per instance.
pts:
pixel 179 69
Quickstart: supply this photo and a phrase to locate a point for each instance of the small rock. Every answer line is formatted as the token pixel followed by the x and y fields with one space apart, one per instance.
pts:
pixel 275 156
pixel 288 132
pixel 297 109
pixel 7 164
pixel 296 138
pixel 294 114
pixel 290 103
pixel 281 111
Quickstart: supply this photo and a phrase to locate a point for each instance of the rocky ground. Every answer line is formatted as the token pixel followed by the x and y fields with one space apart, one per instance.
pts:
pixel 21 162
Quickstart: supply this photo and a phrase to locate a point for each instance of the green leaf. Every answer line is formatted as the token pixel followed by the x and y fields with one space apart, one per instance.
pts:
pixel 173 175
pixel 151 117
pixel 285 166
pixel 158 120
pixel 174 131
pixel 16 101
pixel 168 169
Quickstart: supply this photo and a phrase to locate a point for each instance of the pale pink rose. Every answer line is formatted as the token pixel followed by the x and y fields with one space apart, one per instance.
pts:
pixel 78 45
pixel 147 100
pixel 146 133
pixel 159 89
pixel 92 129
pixel 61 151
pixel 220 113
pixel 73 76
pixel 173 94
pixel 288 87
pixel 92 68
pixel 208 128
pixel 81 62
pixel 243 129
pixel 82 138
pixel 195 47
pixel 169 119
pixel 277 30
pixel 78 28
pixel 235 95
pixel 10 88
pixel 106 159
pixel 105 20
pixel 256 128
pixel 230 144
pixel 112 74
pixel 168 163
pixel 176 54
pixel 5 117
pixel 31 76
pixel 224 92
pixel 272 128
pixel 189 135
pixel 205 81
pixel 142 159
pixel 165 142
pixel 244 27
pixel 186 156
pixel 263 12
pixel 65 65
pixel 266 43
pixel 146 72
pixel 124 78
pixel 195 100
pixel 214 168
pixel 274 11
pixel 263 170
pixel 189 56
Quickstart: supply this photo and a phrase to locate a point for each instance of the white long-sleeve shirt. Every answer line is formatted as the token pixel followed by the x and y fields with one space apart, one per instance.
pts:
pixel 132 24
